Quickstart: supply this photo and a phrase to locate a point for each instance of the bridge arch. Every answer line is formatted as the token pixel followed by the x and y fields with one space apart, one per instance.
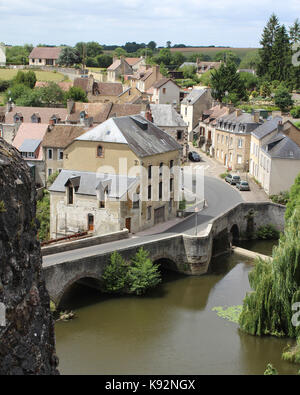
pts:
pixel 234 233
pixel 92 280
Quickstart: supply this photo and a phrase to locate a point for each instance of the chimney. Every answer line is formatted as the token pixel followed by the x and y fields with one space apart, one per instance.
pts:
pixel 280 126
pixel 230 108
pixel 115 58
pixel 256 115
pixel 70 106
pixel 148 115
pixel 51 124
pixel 238 112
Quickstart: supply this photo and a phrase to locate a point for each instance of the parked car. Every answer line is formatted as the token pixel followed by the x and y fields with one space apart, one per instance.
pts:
pixel 243 185
pixel 232 178
pixel 194 156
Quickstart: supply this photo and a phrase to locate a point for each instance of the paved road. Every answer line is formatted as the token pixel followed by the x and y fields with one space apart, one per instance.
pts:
pixel 219 195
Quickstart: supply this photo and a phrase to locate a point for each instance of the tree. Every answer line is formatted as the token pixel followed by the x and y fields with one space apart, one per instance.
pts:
pixel 16 91
pixel 151 45
pixel 169 44
pixel 177 58
pixel 267 42
pixel 77 94
pixel 43 216
pixel 69 56
pixel 294 199
pixel 104 60
pixel 31 98
pixel 142 274
pixel 250 81
pixel 163 70
pixel 295 32
pixel 115 274
pixel 250 60
pixel 280 61
pixel 227 57
pixel 226 80
pixel 188 71
pixel 283 98
pixel 52 94
pixel 28 78
pixel 118 52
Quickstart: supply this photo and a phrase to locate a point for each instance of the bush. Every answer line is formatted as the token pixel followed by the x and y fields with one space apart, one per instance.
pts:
pixel 43 217
pixel 267 232
pixel 136 278
pixel 223 175
pixel 270 370
pixel 295 112
pixel 182 204
pixel 282 198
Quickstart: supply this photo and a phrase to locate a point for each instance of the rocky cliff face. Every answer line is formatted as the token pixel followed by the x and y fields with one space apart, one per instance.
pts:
pixel 27 344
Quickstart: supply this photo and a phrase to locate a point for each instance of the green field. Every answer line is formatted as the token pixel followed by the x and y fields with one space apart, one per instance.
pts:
pixel 8 74
pixel 212 51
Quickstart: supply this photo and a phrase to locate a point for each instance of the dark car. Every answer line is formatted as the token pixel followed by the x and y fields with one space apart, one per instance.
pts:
pixel 194 156
pixel 243 186
pixel 232 178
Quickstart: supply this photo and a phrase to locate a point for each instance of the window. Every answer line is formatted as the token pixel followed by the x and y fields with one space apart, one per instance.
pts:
pixel 70 195
pixel 164 91
pixel 185 111
pixel 171 164
pixel 49 172
pixel 179 134
pixel 100 151
pixel 150 171
pixel 170 205
pixel 40 60
pixel 226 139
pixel 239 159
pixel 171 184
pixel 161 165
pixel 149 192
pixel 222 139
pixel 218 137
pixel 60 154
pixel 160 189
pixel 50 153
pixel 240 143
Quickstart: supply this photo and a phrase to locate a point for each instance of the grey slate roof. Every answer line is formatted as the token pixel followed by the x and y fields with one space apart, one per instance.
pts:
pixel 88 183
pixel 194 64
pixel 194 96
pixel 30 145
pixel 234 122
pixel 142 136
pixel 266 128
pixel 282 147
pixel 166 115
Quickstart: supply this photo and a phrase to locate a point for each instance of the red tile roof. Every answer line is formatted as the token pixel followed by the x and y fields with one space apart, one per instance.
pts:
pixel 30 131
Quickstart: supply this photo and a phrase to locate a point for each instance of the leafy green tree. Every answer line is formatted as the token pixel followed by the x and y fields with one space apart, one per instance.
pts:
pixel 227 57
pixel 250 60
pixel 188 71
pixel 151 45
pixel 250 81
pixel 295 32
pixel 77 94
pixel 52 178
pixel 265 89
pixel 4 85
pixel 52 94
pixel 104 60
pixel 31 98
pixel 16 91
pixel 283 99
pixel 280 62
pixel 163 70
pixel 294 198
pixel 164 57
pixel 43 217
pixel 69 56
pixel 142 274
pixel 199 56
pixel 177 58
pixel 115 274
pixel 91 62
pixel 118 52
pixel 169 44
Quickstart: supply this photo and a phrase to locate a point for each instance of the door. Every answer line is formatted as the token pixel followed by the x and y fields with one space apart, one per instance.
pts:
pixel 128 224
pixel 159 215
pixel 90 223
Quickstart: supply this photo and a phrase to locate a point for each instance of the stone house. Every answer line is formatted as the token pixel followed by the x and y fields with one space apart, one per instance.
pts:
pixel 166 91
pixel 56 139
pixel 89 114
pixel 136 63
pixel 2 55
pixel 118 68
pixel 132 95
pixel 233 138
pixel 120 174
pixel 99 92
pixel 203 67
pixel 193 106
pixel 275 155
pixel 167 118
pixel 204 133
pixel 28 141
pixel 144 79
pixel 44 56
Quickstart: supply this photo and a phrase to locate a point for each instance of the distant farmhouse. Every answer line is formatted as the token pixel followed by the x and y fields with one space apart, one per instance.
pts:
pixel 44 56
pixel 2 55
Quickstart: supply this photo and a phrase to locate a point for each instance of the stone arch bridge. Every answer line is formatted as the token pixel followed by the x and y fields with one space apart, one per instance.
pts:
pixel 186 254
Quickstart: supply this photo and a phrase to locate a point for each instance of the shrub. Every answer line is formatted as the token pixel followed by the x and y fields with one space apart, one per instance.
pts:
pixel 223 175
pixel 43 216
pixel 114 276
pixel 295 112
pixel 267 232
pixel 281 198
pixel 270 370
pixel 182 204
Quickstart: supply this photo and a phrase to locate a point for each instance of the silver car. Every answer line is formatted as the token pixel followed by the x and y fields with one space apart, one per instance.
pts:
pixel 232 178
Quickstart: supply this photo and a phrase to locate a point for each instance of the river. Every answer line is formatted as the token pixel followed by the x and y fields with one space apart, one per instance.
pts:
pixel 172 330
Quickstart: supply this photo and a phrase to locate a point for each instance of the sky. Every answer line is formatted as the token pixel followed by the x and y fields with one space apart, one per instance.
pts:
pixel 235 23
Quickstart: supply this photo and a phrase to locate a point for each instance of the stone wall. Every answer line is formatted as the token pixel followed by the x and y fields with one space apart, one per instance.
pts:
pixel 27 342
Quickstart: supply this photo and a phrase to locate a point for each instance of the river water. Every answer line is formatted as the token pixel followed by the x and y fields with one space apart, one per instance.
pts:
pixel 172 330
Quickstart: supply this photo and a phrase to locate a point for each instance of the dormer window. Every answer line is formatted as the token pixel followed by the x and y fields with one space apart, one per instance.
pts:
pixel 83 114
pixel 100 151
pixel 18 118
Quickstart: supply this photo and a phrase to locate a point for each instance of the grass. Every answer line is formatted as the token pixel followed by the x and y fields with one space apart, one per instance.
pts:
pixel 240 52
pixel 231 313
pixel 2 99
pixel 49 76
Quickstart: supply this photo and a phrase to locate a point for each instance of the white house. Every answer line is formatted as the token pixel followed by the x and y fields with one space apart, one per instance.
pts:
pixel 2 55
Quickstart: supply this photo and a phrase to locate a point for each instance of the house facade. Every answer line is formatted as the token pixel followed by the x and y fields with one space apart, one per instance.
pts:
pixel 193 106
pixel 44 56
pixel 166 91
pixel 117 175
pixel 55 140
pixel 233 138
pixel 118 68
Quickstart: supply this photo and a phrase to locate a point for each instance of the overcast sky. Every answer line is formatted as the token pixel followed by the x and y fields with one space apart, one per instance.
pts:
pixel 236 23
